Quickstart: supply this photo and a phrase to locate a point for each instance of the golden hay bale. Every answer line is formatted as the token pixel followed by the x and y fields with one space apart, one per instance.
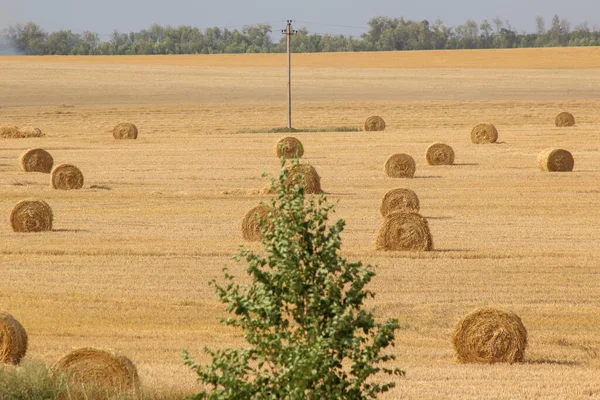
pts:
pixel 488 335
pixel 125 130
pixel 374 123
pixel 36 160
pixel 564 119
pixel 306 176
pixel 14 132
pixel 400 165
pixel 399 200
pixel 484 133
pixel 404 231
pixel 289 147
pixel 31 216
pixel 555 160
pixel 13 340
pixel 66 177
pixel 251 227
pixel 439 154
pixel 97 368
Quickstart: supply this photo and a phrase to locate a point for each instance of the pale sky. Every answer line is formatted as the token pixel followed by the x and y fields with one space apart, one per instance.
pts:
pixel 103 16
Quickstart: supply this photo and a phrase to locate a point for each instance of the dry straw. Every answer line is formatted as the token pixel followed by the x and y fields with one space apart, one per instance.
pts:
pixel 374 123
pixel 439 154
pixel 306 176
pixel 31 216
pixel 403 231
pixel 488 335
pixel 14 132
pixel 555 160
pixel 399 199
pixel 484 133
pixel 125 130
pixel 97 368
pixel 36 160
pixel 251 226
pixel 400 166
pixel 66 177
pixel 13 340
pixel 564 119
pixel 289 147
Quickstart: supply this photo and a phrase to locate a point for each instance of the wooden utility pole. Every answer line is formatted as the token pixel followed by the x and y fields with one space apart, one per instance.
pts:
pixel 289 32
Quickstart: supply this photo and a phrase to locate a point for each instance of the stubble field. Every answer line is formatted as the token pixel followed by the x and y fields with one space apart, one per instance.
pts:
pixel 128 263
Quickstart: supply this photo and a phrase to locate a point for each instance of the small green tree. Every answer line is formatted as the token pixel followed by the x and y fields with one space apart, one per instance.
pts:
pixel 303 316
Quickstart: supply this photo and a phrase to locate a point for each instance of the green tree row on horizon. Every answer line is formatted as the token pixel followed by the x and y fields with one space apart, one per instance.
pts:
pixel 384 34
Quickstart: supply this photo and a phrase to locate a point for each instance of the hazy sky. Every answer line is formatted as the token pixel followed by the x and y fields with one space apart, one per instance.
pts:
pixel 103 16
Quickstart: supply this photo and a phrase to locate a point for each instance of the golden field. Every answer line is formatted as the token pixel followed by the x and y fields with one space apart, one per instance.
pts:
pixel 128 263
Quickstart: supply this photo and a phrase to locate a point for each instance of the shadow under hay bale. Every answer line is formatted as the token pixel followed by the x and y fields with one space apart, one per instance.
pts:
pixel 402 231
pixel 14 132
pixel 289 147
pixel 31 216
pixel 97 369
pixel 439 154
pixel 13 340
pixel 251 224
pixel 125 130
pixel 555 160
pixel 484 133
pixel 488 336
pixel 36 160
pixel 66 177
pixel 374 123
pixel 400 166
pixel 399 199
pixel 564 119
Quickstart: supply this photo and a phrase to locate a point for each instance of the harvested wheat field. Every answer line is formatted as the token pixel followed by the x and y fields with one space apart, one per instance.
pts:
pixel 127 264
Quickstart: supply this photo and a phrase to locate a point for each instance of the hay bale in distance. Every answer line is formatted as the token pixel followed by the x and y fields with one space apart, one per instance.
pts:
pixel 399 199
pixel 251 227
pixel 13 340
pixel 403 231
pixel 97 368
pixel 31 216
pixel 489 335
pixel 400 165
pixel 14 132
pixel 484 133
pixel 555 160
pixel 36 160
pixel 306 176
pixel 66 177
pixel 374 123
pixel 439 154
pixel 564 119
pixel 289 147
pixel 125 130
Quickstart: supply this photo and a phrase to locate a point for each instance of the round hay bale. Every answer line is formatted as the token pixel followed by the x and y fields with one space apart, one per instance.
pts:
pixel 488 335
pixel 97 368
pixel 306 176
pixel 31 216
pixel 439 154
pixel 9 131
pixel 404 231
pixel 374 123
pixel 289 147
pixel 484 133
pixel 564 119
pixel 399 200
pixel 400 165
pixel 555 160
pixel 29 131
pixel 13 340
pixel 125 130
pixel 36 160
pixel 66 177
pixel 251 229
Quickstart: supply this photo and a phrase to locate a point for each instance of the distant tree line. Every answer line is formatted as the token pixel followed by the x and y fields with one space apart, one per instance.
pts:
pixel 384 34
